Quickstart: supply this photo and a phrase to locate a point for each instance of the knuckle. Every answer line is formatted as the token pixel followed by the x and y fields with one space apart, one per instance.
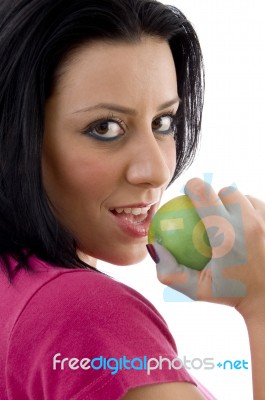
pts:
pixel 195 185
pixel 165 279
pixel 254 226
pixel 257 227
pixel 224 190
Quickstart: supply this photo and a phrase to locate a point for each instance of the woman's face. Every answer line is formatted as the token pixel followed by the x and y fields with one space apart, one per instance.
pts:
pixel 109 150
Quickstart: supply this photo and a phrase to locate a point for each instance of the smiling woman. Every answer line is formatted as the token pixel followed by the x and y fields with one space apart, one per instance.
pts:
pixel 101 104
pixel 122 51
pixel 101 107
pixel 106 167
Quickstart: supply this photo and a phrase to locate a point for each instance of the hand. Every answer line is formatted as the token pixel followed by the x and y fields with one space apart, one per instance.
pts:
pixel 235 275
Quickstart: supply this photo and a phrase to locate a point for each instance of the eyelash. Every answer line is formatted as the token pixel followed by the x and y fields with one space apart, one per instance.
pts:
pixel 112 118
pixel 101 120
pixel 174 124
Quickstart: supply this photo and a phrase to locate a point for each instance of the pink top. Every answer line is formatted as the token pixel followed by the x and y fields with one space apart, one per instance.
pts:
pixel 60 327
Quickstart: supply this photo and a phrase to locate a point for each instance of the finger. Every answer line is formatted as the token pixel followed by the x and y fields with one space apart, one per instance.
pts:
pixel 231 196
pixel 227 283
pixel 256 203
pixel 221 215
pixel 246 213
pixel 202 194
pixel 174 275
pixel 212 213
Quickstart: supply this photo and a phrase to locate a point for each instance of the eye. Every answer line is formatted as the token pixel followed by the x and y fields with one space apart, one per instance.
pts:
pixel 106 129
pixel 165 124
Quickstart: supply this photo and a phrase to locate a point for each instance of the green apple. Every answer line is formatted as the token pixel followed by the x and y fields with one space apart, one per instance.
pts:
pixel 178 227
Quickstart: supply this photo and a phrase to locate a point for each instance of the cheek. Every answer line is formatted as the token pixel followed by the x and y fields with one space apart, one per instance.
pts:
pixel 170 157
pixel 70 176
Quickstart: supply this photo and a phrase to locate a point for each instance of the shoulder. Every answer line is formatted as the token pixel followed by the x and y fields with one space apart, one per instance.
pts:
pixel 86 291
pixel 92 300
pixel 69 305
pixel 83 314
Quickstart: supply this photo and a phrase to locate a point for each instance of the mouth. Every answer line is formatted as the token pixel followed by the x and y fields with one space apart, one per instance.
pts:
pixel 134 220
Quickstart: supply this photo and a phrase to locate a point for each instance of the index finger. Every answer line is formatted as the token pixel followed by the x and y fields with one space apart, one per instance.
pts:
pixel 202 194
pixel 215 216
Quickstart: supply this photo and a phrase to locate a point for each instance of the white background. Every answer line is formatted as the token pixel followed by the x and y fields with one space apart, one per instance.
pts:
pixel 232 36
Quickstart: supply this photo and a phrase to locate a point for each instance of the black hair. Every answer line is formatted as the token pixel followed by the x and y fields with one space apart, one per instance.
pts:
pixel 35 38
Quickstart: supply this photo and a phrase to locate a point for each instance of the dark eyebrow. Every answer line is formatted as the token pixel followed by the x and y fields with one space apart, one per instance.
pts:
pixel 125 110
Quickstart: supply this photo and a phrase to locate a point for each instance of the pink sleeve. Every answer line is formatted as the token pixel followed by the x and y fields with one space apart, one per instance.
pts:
pixel 87 318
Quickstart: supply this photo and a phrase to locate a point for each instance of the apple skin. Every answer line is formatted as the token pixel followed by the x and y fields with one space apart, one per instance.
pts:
pixel 178 227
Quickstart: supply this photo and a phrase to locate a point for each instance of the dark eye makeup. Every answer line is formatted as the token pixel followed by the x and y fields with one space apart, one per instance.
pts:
pixel 107 129
pixel 111 128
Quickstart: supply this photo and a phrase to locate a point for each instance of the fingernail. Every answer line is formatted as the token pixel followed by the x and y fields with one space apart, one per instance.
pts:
pixel 151 250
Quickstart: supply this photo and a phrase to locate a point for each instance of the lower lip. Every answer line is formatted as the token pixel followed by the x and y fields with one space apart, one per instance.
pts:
pixel 135 230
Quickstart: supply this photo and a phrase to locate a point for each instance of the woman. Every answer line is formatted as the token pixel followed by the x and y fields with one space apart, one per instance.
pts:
pixel 101 108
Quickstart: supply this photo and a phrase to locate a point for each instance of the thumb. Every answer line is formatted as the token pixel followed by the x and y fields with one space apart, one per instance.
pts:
pixel 173 274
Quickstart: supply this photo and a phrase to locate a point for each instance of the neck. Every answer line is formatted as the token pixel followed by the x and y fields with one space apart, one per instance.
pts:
pixel 87 258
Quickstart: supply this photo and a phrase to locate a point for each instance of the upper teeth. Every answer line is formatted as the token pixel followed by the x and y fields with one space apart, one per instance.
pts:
pixel 134 211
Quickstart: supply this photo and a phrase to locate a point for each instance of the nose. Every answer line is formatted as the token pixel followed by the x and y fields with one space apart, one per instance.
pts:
pixel 150 162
